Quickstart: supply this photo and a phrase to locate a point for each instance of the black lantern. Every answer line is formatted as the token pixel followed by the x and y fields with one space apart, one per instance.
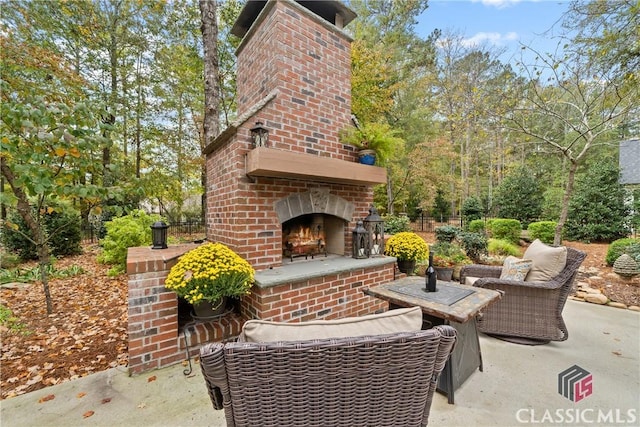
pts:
pixel 360 242
pixel 374 224
pixel 159 235
pixel 259 135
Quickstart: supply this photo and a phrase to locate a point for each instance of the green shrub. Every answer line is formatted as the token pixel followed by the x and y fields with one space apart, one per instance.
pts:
pixel 506 229
pixel 474 244
pixel 125 232
pixel 8 260
pixel 552 203
pixel 597 210
pixel 446 233
pixel 63 225
pixel 633 250
pixel 543 230
pixel 503 248
pixel 441 207
pixel 396 224
pixel 471 209
pixel 634 218
pixel 618 248
pixel 68 233
pixel 476 226
pixel 519 196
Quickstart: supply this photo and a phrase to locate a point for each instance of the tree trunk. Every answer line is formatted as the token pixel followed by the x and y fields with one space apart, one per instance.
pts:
pixel 390 197
pixel 36 227
pixel 44 260
pixel 209 29
pixel 568 191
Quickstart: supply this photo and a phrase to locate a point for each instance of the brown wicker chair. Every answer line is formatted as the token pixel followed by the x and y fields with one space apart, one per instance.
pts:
pixel 528 312
pixel 378 380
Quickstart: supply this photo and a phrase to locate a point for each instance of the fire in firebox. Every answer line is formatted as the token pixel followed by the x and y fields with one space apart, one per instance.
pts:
pixel 303 236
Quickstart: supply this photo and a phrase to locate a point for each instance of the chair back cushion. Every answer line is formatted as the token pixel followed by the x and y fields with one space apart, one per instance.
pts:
pixel 515 268
pixel 389 322
pixel 548 261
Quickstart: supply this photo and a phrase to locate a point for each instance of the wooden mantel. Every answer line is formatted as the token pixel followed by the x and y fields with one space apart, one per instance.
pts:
pixel 270 162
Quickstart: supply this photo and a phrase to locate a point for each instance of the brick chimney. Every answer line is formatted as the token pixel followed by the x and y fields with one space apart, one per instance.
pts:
pixel 294 76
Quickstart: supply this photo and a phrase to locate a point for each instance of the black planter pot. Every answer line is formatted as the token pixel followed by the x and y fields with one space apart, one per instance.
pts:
pixel 407 266
pixel 444 273
pixel 207 311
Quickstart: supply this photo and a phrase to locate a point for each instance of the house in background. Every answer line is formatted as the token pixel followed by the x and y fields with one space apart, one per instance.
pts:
pixel 629 162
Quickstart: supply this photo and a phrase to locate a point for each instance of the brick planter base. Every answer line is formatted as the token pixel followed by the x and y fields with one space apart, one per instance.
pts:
pixel 324 289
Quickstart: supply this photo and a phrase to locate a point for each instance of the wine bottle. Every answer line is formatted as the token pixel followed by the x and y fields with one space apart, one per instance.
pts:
pixel 431 275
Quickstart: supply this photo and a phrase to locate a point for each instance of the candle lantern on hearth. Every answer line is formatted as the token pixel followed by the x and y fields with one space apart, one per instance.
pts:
pixel 374 224
pixel 259 135
pixel 159 235
pixel 360 242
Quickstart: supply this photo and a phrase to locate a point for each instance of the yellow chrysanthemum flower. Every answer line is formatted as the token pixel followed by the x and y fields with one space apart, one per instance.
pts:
pixel 407 246
pixel 210 272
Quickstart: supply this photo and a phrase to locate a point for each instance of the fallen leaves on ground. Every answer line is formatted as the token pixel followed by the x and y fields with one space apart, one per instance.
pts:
pixel 86 333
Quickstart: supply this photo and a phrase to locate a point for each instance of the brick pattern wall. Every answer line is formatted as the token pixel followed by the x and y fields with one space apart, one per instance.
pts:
pixel 309 63
pixel 245 217
pixel 154 339
pixel 329 297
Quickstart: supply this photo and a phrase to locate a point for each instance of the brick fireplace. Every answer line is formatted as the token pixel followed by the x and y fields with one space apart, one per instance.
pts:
pixel 288 208
pixel 294 75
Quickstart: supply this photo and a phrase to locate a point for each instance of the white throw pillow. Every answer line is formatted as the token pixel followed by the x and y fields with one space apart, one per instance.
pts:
pixel 548 261
pixel 515 268
pixel 470 280
pixel 389 322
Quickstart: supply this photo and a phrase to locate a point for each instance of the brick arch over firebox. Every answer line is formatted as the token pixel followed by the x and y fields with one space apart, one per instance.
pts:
pixel 317 200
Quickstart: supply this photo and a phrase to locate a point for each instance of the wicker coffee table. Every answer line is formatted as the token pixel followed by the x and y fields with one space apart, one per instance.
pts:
pixel 453 304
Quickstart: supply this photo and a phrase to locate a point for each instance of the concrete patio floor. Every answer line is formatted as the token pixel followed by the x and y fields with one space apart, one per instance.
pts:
pixel 519 386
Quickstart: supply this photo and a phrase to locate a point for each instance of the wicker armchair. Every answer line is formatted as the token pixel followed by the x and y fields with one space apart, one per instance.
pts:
pixel 528 312
pixel 376 380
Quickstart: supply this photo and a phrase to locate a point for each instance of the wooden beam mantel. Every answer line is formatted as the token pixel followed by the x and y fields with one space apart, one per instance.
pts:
pixel 270 162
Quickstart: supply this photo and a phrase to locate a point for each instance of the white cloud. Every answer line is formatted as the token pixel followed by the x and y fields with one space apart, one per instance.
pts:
pixel 492 38
pixel 497 3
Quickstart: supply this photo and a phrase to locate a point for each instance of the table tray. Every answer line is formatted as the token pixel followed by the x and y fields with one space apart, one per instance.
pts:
pixel 446 295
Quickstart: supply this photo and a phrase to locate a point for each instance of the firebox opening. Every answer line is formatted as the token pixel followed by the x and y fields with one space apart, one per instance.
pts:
pixel 311 236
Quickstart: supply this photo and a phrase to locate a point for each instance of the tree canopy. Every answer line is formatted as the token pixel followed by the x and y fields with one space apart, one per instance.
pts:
pixel 110 94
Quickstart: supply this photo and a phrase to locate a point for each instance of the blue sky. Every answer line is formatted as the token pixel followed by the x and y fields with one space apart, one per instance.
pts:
pixel 503 23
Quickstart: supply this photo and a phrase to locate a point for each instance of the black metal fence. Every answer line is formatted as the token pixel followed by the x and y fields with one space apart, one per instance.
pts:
pixel 429 224
pixel 90 234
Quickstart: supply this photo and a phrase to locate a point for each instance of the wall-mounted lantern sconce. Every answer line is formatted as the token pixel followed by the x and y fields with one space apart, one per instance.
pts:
pixel 259 135
pixel 360 242
pixel 374 224
pixel 159 235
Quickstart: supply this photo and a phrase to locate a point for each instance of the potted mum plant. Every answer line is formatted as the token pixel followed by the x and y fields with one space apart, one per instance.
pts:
pixel 374 141
pixel 408 248
pixel 209 274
